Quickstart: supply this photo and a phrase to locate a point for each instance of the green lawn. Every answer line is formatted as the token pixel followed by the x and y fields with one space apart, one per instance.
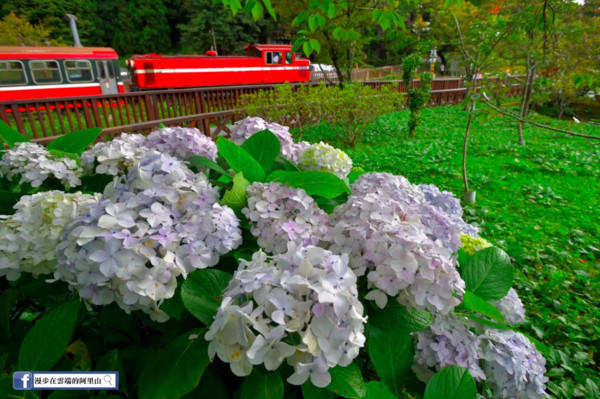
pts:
pixel 540 202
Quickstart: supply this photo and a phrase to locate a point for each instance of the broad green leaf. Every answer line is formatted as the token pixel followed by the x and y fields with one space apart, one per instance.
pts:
pixel 240 160
pixel 174 306
pixel 7 299
pixel 210 387
pixel 477 304
pixel 337 33
pixel 309 391
pixel 397 318
pixel 391 353
pixel 237 198
pixel 202 161
pixel 307 48
pixel 264 147
pixel 385 22
pixel 354 175
pixel 488 273
pixel 75 142
pixel 320 20
pixel 249 5
pixel 201 293
pixel 48 339
pixel 108 362
pixel 312 23
pixel 176 369
pixel 332 10
pixel 347 381
pixel 257 10
pixel 298 43
pixel 269 7
pixel 259 386
pixel 300 18
pixel 452 382
pixel 76 358
pixel 289 166
pixel 378 390
pixel 315 45
pixel 11 136
pixel 71 395
pixel 592 391
pixel 314 183
pixel 488 322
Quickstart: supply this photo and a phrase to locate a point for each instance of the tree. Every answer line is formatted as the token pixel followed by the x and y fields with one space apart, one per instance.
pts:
pixel 17 31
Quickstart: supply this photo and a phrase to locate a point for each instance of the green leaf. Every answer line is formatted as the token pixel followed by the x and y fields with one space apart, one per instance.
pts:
pixel 300 18
pixel 297 44
pixel 259 386
pixel 354 175
pixel 237 198
pixel 257 11
pixel 7 299
pixel 477 304
pixel 397 318
pixel 269 8
pixel 313 25
pixel 75 142
pixel 201 293
pixel 309 391
pixel 264 147
pixel 11 136
pixel 307 48
pixel 202 161
pixel 385 22
pixel 347 381
pixel 289 166
pixel 337 33
pixel 211 386
pixel 332 10
pixel 314 183
pixel 314 43
pixel 240 160
pixel 487 322
pixel 378 390
pixel 488 273
pixel 452 382
pixel 176 369
pixel 47 340
pixel 391 353
pixel 174 306
pixel 108 362
pixel 592 391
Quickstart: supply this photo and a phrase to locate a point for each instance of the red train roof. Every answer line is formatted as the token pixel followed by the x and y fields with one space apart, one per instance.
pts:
pixel 57 52
pixel 260 47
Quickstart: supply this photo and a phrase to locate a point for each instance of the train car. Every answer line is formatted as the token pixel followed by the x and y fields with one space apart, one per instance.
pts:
pixel 264 63
pixel 28 73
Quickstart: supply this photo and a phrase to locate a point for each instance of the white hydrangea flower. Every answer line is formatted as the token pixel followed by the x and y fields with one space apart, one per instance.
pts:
pixel 114 157
pixel 399 243
pixel 511 307
pixel 281 214
pixel 514 367
pixel 182 143
pixel 325 158
pixel 448 341
pixel 301 307
pixel 157 223
pixel 34 164
pixel 245 128
pixel 28 238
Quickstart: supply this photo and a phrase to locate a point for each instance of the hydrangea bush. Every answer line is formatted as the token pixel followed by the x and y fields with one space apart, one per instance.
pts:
pixel 254 257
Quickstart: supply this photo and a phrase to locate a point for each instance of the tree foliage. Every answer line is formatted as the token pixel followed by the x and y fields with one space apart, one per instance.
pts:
pixel 17 31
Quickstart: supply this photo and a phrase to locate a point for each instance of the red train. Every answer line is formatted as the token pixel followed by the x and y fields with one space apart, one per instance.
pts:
pixel 50 72
pixel 54 72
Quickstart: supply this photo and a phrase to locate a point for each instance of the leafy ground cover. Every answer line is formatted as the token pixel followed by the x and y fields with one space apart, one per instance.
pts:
pixel 540 202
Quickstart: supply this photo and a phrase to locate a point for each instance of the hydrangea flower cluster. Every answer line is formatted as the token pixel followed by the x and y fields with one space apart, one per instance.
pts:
pixel 511 307
pixel 281 214
pixel 182 143
pixel 245 128
pixel 114 157
pixel 158 222
pixel 449 204
pixel 507 360
pixel 325 158
pixel 471 244
pixel 28 238
pixel 301 306
pixel 387 228
pixel 34 164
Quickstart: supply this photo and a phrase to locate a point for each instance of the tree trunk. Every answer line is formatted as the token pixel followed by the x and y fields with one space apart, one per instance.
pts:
pixel 526 97
pixel 469 195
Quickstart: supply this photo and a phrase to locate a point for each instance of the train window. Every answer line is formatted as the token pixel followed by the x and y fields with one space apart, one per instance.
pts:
pixel 45 72
pixel 288 58
pixel 79 71
pixel 111 70
pixel 273 57
pixel 12 73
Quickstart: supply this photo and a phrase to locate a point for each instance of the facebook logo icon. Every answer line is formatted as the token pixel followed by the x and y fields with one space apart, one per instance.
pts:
pixel 22 380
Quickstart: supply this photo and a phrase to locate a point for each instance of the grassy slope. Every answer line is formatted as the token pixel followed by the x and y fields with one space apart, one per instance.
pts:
pixel 541 203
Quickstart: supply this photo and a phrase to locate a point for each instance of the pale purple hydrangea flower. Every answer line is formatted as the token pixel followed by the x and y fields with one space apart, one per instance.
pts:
pixel 157 223
pixel 449 204
pixel 116 156
pixel 281 214
pixel 307 293
pixel 448 341
pixel 514 367
pixel 182 143
pixel 33 164
pixel 245 128
pixel 511 307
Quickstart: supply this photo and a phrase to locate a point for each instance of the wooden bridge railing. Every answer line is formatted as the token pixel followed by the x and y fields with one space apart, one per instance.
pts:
pixel 42 120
